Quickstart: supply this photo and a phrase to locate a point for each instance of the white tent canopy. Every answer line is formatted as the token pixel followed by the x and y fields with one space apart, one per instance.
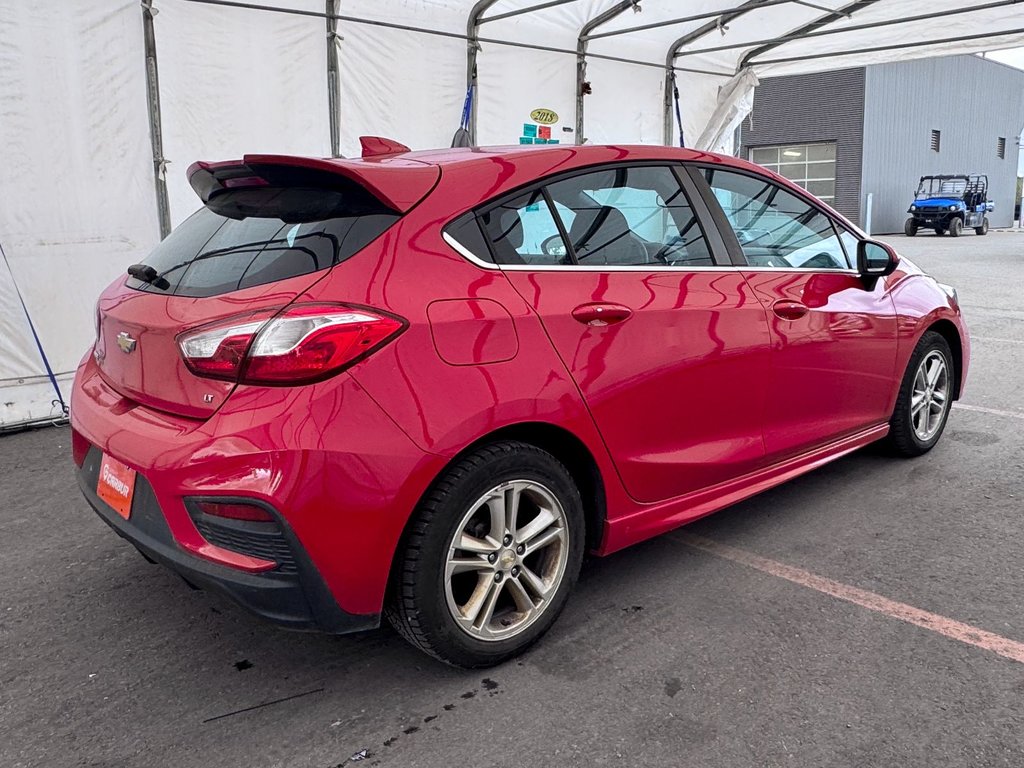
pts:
pixel 104 105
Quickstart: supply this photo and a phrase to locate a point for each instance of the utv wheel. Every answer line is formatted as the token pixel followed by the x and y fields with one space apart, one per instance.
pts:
pixel 492 553
pixel 910 228
pixel 983 229
pixel 955 226
pixel 926 395
pixel 940 231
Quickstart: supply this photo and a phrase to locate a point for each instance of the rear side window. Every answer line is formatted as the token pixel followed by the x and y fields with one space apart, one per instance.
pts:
pixel 210 254
pixel 465 230
pixel 630 216
pixel 523 231
pixel 622 216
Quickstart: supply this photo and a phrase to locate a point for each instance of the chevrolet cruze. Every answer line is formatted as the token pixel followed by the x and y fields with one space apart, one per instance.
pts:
pixel 424 384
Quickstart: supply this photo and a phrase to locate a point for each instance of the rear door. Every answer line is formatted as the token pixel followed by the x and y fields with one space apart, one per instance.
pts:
pixel 251 251
pixel 833 335
pixel 662 339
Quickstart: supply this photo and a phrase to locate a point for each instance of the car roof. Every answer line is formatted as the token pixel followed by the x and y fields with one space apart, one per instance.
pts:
pixel 476 173
pixel 518 152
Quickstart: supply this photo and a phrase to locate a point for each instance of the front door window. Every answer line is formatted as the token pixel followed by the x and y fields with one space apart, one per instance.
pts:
pixel 775 228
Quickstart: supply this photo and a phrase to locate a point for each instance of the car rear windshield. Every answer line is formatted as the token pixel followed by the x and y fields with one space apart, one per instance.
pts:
pixel 266 236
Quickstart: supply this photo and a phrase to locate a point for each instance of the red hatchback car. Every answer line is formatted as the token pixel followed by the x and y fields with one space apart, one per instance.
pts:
pixel 424 384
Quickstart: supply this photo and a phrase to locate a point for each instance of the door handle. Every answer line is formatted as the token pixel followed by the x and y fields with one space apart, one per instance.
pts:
pixel 601 314
pixel 789 310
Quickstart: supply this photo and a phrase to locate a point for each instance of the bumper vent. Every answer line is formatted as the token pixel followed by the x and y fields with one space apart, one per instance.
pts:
pixel 263 540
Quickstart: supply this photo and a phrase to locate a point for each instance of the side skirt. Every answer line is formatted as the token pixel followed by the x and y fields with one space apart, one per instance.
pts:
pixel 651 520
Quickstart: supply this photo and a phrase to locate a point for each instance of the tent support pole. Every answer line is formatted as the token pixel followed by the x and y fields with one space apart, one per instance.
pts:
pixel 810 35
pixel 529 9
pixel 156 136
pixel 333 82
pixel 670 58
pixel 450 35
pixel 895 46
pixel 472 49
pixel 682 20
pixel 581 58
pixel 799 32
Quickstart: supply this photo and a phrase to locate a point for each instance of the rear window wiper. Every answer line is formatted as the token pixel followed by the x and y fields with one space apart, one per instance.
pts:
pixel 148 274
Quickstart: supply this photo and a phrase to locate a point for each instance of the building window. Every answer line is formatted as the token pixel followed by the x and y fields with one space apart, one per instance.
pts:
pixel 811 166
pixel 1001 148
pixel 936 140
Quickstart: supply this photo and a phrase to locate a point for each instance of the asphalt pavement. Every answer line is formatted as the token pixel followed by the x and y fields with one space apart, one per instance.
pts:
pixel 667 655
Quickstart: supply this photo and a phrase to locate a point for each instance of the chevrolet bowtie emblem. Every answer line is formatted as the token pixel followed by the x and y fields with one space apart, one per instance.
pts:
pixel 126 342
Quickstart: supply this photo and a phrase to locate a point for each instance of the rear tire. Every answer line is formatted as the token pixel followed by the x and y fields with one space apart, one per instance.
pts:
pixel 476 584
pixel 983 229
pixel 940 231
pixel 926 395
pixel 910 228
pixel 955 227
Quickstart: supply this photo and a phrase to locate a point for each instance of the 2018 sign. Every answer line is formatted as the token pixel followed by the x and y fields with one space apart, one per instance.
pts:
pixel 544 116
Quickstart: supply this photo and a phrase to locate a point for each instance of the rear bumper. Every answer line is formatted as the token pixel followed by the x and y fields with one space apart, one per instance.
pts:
pixel 296 599
pixel 334 470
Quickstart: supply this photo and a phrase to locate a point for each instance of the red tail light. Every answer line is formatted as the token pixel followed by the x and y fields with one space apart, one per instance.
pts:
pixel 303 344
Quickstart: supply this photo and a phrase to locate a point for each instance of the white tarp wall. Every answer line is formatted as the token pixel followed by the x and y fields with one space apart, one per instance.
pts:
pixel 515 81
pixel 77 202
pixel 78 199
pixel 397 83
pixel 234 81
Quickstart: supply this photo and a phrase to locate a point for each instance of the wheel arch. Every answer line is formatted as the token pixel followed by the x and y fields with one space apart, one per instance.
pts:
pixel 949 332
pixel 565 446
pixel 568 449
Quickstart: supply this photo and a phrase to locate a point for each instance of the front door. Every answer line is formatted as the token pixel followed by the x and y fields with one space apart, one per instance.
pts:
pixel 833 334
pixel 664 342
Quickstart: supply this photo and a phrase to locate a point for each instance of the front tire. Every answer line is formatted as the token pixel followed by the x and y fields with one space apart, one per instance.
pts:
pixel 491 555
pixel 926 395
pixel 955 227
pixel 910 228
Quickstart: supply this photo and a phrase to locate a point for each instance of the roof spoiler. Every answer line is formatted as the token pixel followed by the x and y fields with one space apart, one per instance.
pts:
pixel 398 183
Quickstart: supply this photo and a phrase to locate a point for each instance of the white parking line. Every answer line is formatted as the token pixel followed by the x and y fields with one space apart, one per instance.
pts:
pixel 942 625
pixel 993 411
pixel 997 340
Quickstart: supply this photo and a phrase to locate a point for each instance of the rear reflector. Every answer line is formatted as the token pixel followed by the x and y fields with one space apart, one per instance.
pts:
pixel 303 344
pixel 236 511
pixel 79 447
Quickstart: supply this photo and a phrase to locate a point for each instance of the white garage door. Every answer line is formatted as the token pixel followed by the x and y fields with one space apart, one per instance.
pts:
pixel 812 166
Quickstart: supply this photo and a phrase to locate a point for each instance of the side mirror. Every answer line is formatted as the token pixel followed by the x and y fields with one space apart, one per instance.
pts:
pixel 875 259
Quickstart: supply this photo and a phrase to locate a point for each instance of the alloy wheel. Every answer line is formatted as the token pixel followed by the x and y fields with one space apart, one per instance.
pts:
pixel 930 397
pixel 506 560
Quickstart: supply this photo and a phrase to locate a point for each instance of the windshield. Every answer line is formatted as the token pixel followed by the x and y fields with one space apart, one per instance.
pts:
pixel 932 187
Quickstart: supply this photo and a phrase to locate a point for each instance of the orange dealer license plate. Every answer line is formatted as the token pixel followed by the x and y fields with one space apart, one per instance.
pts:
pixel 116 485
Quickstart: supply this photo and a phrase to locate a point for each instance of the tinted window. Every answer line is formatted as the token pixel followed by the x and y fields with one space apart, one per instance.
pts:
pixel 775 228
pixel 523 231
pixel 210 254
pixel 465 230
pixel 630 216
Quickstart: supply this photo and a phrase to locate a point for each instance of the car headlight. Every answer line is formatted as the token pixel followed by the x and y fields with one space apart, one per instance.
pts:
pixel 913 207
pixel 952 207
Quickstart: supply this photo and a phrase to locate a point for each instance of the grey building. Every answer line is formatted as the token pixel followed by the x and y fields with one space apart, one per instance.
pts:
pixel 875 130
